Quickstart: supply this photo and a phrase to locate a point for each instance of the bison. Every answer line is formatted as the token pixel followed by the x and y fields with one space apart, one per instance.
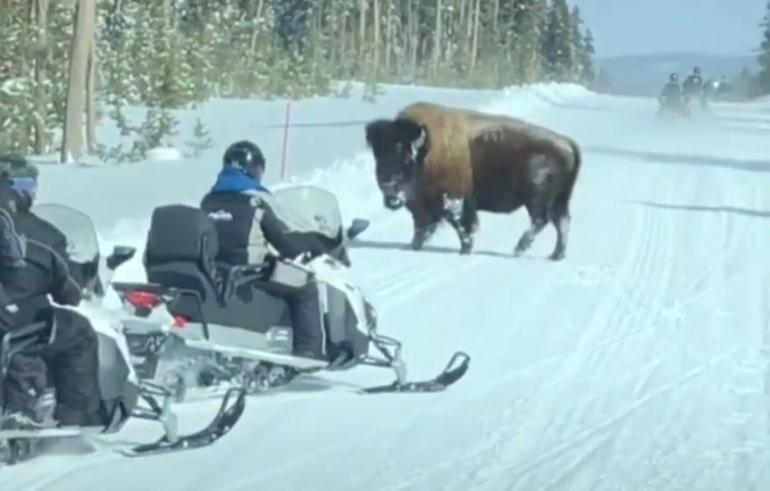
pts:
pixel 446 163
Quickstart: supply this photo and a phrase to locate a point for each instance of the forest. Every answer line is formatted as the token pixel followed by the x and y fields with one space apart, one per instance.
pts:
pixel 67 64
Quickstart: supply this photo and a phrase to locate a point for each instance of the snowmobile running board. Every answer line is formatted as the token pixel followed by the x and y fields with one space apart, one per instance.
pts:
pixel 20 442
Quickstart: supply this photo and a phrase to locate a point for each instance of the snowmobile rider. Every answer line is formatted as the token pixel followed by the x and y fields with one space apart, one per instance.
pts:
pixel 693 86
pixel 24 179
pixel 248 222
pixel 72 357
pixel 694 81
pixel 672 92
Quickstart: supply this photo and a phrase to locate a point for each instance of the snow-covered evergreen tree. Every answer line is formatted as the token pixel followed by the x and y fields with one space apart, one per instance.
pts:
pixel 577 45
pixel 764 55
pixel 557 44
pixel 169 54
pixel 529 58
pixel 588 72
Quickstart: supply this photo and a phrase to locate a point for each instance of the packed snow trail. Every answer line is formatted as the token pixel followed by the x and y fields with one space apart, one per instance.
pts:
pixel 636 363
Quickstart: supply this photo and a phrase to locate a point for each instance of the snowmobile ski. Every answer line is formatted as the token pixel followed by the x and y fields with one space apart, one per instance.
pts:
pixel 446 378
pixel 222 423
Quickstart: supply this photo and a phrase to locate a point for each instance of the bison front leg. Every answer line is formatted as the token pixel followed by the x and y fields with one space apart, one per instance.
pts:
pixel 425 223
pixel 461 214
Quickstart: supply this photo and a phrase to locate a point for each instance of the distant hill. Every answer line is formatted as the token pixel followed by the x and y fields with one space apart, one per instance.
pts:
pixel 646 74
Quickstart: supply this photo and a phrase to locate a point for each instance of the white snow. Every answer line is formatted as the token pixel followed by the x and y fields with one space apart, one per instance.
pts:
pixel 163 154
pixel 640 362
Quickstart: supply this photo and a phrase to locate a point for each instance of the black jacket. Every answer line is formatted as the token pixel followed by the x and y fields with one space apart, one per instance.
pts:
pixel 45 272
pixel 246 223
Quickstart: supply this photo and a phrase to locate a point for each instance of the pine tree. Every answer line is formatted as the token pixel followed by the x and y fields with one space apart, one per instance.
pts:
pixel 603 82
pixel 527 39
pixel 588 72
pixel 168 54
pixel 202 140
pixel 764 56
pixel 577 45
pixel 557 46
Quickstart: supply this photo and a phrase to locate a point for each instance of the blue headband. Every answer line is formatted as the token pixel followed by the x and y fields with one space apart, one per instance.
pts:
pixel 26 185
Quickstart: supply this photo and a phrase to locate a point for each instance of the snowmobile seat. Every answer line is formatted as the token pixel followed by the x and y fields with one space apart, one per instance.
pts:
pixel 181 252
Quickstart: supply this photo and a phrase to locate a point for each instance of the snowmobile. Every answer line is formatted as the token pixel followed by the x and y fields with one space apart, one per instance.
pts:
pixel 693 92
pixel 676 106
pixel 123 394
pixel 202 325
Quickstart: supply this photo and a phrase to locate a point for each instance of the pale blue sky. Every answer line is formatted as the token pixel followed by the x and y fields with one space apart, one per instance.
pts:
pixel 653 26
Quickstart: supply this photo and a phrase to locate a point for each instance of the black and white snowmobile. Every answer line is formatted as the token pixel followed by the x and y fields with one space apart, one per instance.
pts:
pixel 124 395
pixel 197 323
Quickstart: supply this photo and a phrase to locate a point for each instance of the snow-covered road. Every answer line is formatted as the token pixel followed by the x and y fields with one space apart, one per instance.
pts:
pixel 638 363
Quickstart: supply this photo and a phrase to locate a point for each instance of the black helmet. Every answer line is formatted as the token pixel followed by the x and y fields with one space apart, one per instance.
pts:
pixel 696 70
pixel 245 156
pixel 673 77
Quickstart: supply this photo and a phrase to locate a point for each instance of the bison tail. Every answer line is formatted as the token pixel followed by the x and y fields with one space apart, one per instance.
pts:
pixel 578 161
pixel 561 204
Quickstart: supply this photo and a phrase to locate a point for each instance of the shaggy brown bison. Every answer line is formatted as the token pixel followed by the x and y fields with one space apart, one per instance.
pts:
pixel 446 163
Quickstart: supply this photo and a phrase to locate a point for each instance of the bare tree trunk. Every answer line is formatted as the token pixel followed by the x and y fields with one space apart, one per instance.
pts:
pixel 41 59
pixel 413 37
pixel 495 17
pixel 377 48
pixel 475 43
pixel 388 36
pixel 471 8
pixel 363 7
pixel 85 17
pixel 437 38
pixel 91 99
pixel 255 34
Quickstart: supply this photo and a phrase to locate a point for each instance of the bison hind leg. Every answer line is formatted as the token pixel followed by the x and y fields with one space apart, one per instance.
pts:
pixel 560 217
pixel 539 207
pixel 538 223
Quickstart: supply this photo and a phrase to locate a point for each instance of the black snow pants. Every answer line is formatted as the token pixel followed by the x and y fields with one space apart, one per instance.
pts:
pixel 306 319
pixel 71 362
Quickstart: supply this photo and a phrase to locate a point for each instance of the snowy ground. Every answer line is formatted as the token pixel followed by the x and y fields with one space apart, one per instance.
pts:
pixel 635 364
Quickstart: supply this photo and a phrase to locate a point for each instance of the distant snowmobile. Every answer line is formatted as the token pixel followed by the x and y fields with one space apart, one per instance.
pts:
pixel 122 391
pixel 693 88
pixel 197 324
pixel 671 99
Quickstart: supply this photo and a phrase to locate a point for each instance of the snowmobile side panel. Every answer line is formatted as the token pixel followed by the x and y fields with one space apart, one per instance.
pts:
pixel 265 356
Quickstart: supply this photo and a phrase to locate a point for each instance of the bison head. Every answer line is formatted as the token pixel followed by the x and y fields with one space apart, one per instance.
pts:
pixel 399 146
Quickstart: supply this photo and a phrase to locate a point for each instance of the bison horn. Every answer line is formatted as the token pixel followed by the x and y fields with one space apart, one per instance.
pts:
pixel 418 144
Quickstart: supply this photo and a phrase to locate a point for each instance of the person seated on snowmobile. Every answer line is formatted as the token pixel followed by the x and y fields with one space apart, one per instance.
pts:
pixel 671 95
pixel 12 245
pixel 694 82
pixel 72 356
pixel 693 86
pixel 24 179
pixel 248 222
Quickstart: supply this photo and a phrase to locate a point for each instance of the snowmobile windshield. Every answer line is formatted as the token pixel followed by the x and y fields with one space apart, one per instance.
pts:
pixel 82 242
pixel 310 209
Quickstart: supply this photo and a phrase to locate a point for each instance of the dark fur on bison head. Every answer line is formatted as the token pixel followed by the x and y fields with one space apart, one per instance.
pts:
pixel 399 147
